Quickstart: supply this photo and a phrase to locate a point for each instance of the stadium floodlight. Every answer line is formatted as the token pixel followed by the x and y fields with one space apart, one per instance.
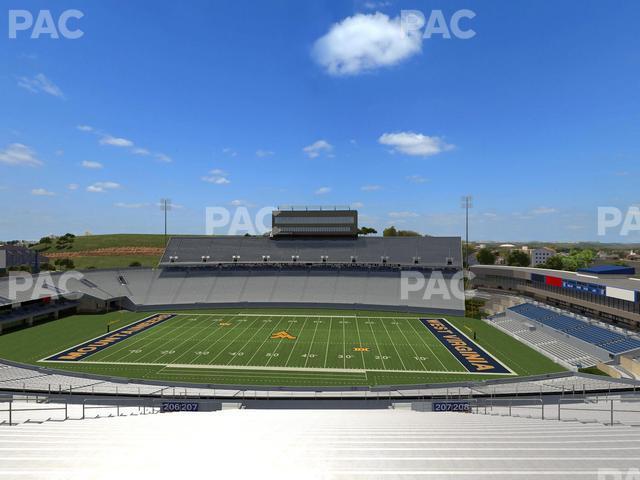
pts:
pixel 205 258
pixel 466 203
pixel 165 206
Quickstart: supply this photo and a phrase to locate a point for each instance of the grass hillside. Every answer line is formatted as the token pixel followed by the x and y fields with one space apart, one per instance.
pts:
pixel 95 242
pixel 105 251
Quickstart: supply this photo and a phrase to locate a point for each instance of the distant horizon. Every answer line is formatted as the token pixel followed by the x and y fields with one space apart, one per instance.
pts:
pixel 379 234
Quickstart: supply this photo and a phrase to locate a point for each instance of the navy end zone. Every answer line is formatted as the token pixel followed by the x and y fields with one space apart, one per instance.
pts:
pixel 90 347
pixel 470 355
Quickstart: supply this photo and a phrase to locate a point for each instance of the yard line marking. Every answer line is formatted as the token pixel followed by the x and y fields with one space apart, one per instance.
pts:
pixel 326 353
pixel 344 347
pixel 411 345
pixel 108 352
pixel 250 338
pixel 214 332
pixel 144 340
pixel 394 345
pixel 197 343
pixel 296 342
pixel 306 360
pixel 427 345
pixel 364 365
pixel 377 346
pixel 197 326
pixel 275 350
pixel 224 349
pixel 267 337
pixel 228 344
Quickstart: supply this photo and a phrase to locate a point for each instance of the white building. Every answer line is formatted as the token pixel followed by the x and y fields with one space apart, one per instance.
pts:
pixel 540 255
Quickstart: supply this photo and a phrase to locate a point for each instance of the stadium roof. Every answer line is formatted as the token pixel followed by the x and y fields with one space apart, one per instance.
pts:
pixel 430 251
pixel 609 270
pixel 522 272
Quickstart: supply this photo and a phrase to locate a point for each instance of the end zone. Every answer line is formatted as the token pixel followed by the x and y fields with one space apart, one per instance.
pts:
pixel 472 357
pixel 83 350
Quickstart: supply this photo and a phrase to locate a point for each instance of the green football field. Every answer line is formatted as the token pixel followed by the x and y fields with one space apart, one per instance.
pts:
pixel 269 347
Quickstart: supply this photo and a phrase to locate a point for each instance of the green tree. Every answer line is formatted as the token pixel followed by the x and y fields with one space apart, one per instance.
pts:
pixel 45 241
pixel 408 233
pixel 367 231
pixel 553 263
pixel 518 258
pixel 390 232
pixel 485 257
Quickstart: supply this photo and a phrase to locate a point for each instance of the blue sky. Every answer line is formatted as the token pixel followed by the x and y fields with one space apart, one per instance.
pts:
pixel 223 103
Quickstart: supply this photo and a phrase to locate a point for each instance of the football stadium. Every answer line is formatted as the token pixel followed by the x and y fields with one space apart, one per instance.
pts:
pixel 450 292
pixel 318 320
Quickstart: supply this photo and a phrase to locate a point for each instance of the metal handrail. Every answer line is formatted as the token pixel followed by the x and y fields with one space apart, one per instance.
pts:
pixel 143 409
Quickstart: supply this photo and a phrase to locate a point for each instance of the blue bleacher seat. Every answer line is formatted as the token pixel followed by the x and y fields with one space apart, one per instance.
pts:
pixel 611 341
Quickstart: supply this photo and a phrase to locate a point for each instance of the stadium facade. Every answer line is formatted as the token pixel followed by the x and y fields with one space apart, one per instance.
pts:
pixel 313 258
pixel 612 298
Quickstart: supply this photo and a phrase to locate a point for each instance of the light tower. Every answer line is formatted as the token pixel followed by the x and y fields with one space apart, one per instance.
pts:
pixel 466 203
pixel 165 206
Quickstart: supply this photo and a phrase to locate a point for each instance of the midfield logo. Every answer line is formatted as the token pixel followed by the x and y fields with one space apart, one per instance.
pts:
pixel 283 335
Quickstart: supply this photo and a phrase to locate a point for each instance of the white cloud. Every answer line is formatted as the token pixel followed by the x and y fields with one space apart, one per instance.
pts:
pixel 240 203
pixel 41 192
pixel 323 191
pixel 357 205
pixel 40 83
pixel 19 154
pixel 264 153
pixel 140 151
pixel 91 165
pixel 230 152
pixel 403 214
pixel 101 187
pixel 415 144
pixel 217 177
pixel 73 186
pixel 363 43
pixel 115 141
pixel 416 179
pixel 161 157
pixel 371 5
pixel 316 148
pixel 130 205
pixel 543 210
pixel 107 139
pixel 371 188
